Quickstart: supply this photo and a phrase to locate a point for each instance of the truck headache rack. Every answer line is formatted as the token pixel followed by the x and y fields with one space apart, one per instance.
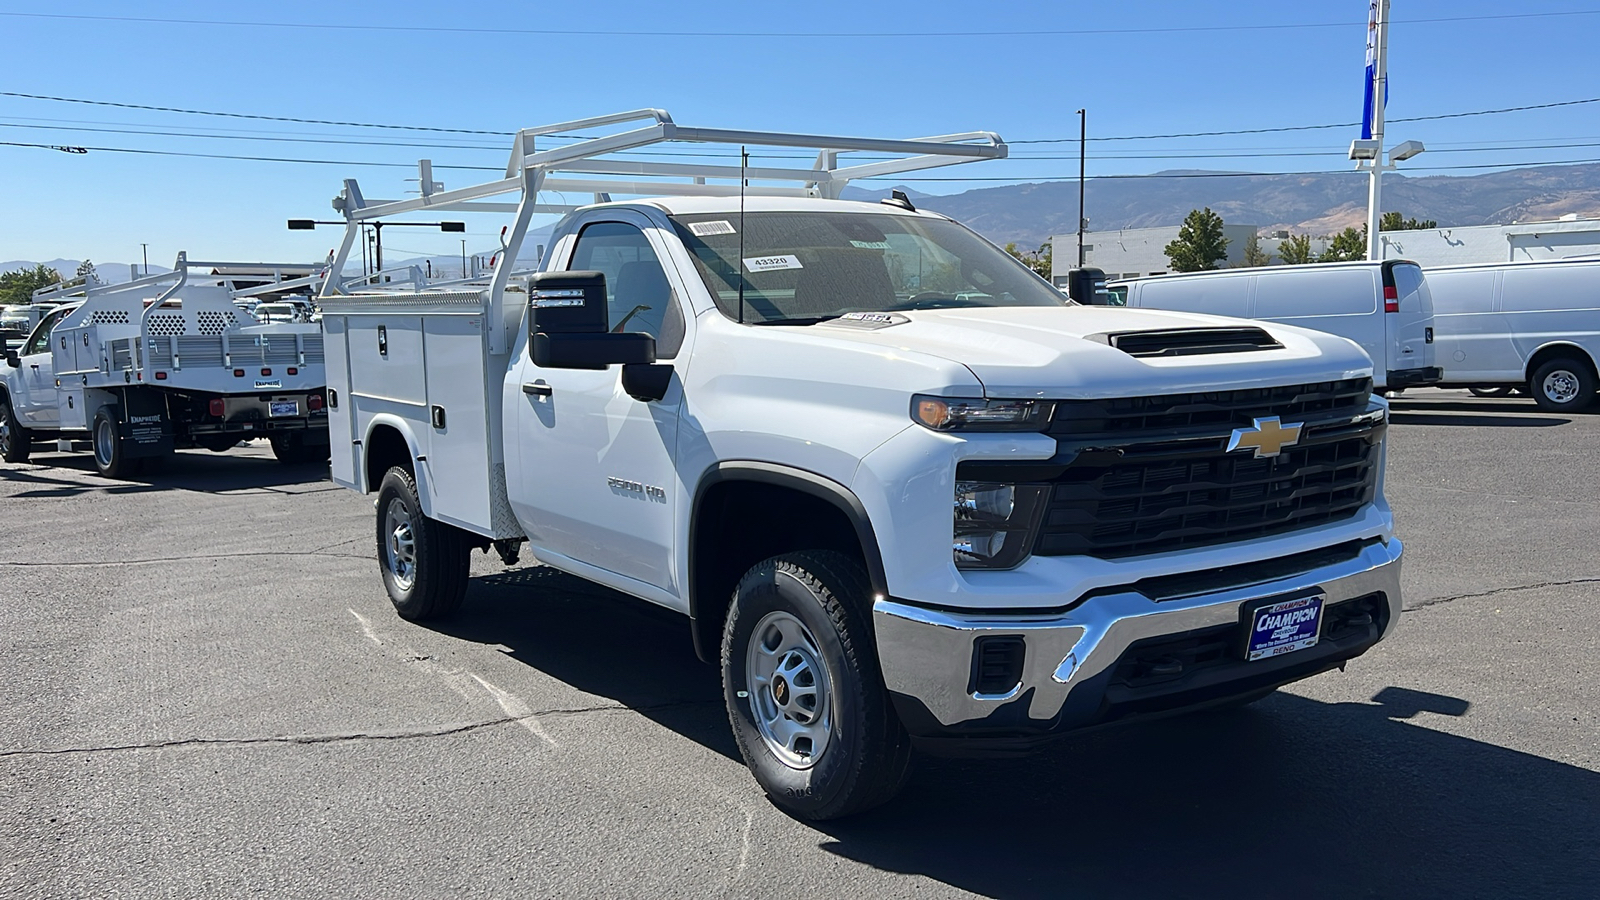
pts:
pixel 590 166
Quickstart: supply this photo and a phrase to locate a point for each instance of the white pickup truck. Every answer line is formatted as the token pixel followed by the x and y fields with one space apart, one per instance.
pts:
pixel 906 492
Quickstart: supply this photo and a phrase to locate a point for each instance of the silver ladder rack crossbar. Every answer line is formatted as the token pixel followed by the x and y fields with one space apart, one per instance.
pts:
pixel 529 171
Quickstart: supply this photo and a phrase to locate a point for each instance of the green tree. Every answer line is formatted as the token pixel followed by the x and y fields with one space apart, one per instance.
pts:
pixel 85 272
pixel 1254 255
pixel 17 287
pixel 1391 221
pixel 1295 250
pixel 1200 244
pixel 1038 260
pixel 1347 245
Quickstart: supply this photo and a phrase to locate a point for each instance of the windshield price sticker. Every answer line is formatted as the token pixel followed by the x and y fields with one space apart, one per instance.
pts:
pixel 707 229
pixel 772 263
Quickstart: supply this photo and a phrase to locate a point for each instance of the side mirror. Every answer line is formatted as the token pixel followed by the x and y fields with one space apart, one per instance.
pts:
pixel 1088 286
pixel 13 359
pixel 568 325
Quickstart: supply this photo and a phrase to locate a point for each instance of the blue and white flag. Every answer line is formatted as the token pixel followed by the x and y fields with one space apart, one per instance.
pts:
pixel 1372 71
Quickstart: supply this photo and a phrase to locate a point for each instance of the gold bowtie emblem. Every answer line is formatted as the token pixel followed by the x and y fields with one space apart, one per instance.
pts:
pixel 1267 437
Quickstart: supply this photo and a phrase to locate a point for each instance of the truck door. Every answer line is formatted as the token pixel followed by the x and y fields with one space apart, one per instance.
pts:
pixel 596 466
pixel 36 407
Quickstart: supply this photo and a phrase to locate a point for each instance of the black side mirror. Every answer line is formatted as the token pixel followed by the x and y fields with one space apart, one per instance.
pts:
pixel 567 325
pixel 1088 286
pixel 13 360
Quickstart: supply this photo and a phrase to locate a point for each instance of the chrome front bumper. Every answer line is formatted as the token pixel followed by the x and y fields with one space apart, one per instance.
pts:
pixel 926 654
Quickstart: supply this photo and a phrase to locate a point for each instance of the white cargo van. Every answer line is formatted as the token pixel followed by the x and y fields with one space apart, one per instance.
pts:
pixel 1531 325
pixel 1382 305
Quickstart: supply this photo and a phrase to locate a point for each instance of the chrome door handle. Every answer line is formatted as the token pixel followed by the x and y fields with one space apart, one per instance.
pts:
pixel 536 388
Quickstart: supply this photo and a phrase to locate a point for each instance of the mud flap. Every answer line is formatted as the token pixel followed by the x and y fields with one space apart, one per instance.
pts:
pixel 146 427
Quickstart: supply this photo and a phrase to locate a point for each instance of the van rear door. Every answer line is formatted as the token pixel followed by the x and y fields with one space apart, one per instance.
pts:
pixel 1408 322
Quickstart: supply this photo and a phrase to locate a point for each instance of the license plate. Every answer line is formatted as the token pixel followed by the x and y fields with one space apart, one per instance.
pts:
pixel 283 408
pixel 1284 626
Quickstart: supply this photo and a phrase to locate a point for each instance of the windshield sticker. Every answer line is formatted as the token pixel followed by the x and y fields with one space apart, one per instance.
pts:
pixel 707 229
pixel 772 263
pixel 870 245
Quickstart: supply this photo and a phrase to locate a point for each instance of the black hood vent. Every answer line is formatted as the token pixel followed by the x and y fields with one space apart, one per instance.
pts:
pixel 1189 341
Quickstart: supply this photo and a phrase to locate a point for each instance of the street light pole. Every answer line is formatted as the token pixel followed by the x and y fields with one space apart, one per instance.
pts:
pixel 1380 93
pixel 463 257
pixel 146 249
pixel 1083 140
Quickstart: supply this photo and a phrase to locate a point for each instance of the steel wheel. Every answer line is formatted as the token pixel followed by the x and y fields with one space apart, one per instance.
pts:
pixel 790 692
pixel 1561 386
pixel 105 441
pixel 400 544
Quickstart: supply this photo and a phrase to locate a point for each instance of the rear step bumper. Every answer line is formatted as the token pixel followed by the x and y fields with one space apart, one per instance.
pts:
pixel 1400 379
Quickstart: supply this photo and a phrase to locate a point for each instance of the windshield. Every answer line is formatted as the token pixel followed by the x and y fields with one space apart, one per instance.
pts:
pixel 804 267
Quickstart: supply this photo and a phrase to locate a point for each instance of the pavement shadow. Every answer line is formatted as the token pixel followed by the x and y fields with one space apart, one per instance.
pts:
pixel 199 471
pixel 1289 798
pixel 600 642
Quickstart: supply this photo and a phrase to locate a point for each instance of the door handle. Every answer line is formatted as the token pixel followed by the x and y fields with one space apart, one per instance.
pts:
pixel 536 388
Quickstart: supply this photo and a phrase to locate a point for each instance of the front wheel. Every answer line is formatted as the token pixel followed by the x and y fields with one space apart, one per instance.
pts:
pixel 15 441
pixel 110 451
pixel 1563 385
pixel 803 689
pixel 424 563
pixel 1490 391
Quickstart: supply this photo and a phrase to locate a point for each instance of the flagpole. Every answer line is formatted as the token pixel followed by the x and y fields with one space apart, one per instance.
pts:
pixel 1380 94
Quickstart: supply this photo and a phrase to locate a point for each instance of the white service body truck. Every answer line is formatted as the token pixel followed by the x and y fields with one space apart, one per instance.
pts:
pixel 140 369
pixel 906 491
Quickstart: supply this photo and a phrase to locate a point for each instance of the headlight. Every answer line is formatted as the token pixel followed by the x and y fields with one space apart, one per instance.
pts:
pixel 995 523
pixel 969 414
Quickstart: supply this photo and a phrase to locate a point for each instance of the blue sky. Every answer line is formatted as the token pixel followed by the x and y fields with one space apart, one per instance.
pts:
pixel 896 69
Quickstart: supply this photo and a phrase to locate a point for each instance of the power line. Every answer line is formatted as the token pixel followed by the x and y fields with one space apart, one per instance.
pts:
pixel 552 32
pixel 1459 115
pixel 234 115
pixel 278 159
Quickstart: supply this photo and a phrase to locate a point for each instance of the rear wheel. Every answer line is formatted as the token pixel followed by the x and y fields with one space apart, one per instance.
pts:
pixel 1564 384
pixel 110 451
pixel 292 449
pixel 15 441
pixel 803 689
pixel 1491 391
pixel 424 563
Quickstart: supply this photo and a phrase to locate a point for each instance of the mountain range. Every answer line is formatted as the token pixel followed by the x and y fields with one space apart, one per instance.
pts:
pixel 1028 214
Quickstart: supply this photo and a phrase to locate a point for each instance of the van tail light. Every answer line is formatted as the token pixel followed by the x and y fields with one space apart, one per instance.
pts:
pixel 313 402
pixel 218 407
pixel 1391 299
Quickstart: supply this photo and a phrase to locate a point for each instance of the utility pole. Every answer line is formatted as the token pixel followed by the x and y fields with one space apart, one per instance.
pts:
pixel 146 248
pixel 1378 45
pixel 1083 142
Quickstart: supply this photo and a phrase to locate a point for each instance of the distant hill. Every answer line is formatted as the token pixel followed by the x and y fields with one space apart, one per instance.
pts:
pixel 110 273
pixel 1316 204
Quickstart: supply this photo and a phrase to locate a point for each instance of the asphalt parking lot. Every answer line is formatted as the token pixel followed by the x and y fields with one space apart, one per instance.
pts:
pixel 204 692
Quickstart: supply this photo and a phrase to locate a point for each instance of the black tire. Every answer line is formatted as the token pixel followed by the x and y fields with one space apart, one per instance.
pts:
pixel 431 583
pixel 292 449
pixel 1491 391
pixel 1565 384
pixel 866 756
pixel 110 455
pixel 15 441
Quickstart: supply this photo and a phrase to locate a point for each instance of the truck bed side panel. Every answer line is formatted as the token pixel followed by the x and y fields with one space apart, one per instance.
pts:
pixel 341 433
pixel 458 453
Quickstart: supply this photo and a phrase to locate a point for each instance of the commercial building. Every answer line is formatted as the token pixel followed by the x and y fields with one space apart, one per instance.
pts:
pixel 1568 236
pixel 1133 252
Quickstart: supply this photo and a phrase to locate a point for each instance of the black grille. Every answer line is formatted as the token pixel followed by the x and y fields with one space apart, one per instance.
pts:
pixel 1192 341
pixel 1166 481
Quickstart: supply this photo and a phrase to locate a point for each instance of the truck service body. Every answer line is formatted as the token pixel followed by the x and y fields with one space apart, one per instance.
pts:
pixel 905 491
pixel 140 369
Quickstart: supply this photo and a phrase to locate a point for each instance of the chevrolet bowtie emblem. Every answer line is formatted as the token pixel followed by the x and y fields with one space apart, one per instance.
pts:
pixel 1267 437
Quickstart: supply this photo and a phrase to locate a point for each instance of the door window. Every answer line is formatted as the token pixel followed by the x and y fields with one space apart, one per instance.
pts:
pixel 39 342
pixel 638 295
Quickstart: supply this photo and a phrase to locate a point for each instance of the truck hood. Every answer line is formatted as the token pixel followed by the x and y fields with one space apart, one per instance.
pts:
pixel 1048 351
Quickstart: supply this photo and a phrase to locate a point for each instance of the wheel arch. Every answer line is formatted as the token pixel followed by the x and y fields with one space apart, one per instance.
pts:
pixel 1558 350
pixel 809 503
pixel 387 442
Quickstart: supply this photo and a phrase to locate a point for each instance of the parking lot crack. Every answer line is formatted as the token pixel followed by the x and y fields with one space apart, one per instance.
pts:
pixel 336 738
pixel 32 564
pixel 1439 601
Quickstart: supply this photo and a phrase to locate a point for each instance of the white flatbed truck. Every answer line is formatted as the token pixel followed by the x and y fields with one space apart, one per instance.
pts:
pixel 906 492
pixel 140 369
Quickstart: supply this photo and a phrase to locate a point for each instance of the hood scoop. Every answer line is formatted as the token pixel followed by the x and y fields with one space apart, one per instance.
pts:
pixel 1188 341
